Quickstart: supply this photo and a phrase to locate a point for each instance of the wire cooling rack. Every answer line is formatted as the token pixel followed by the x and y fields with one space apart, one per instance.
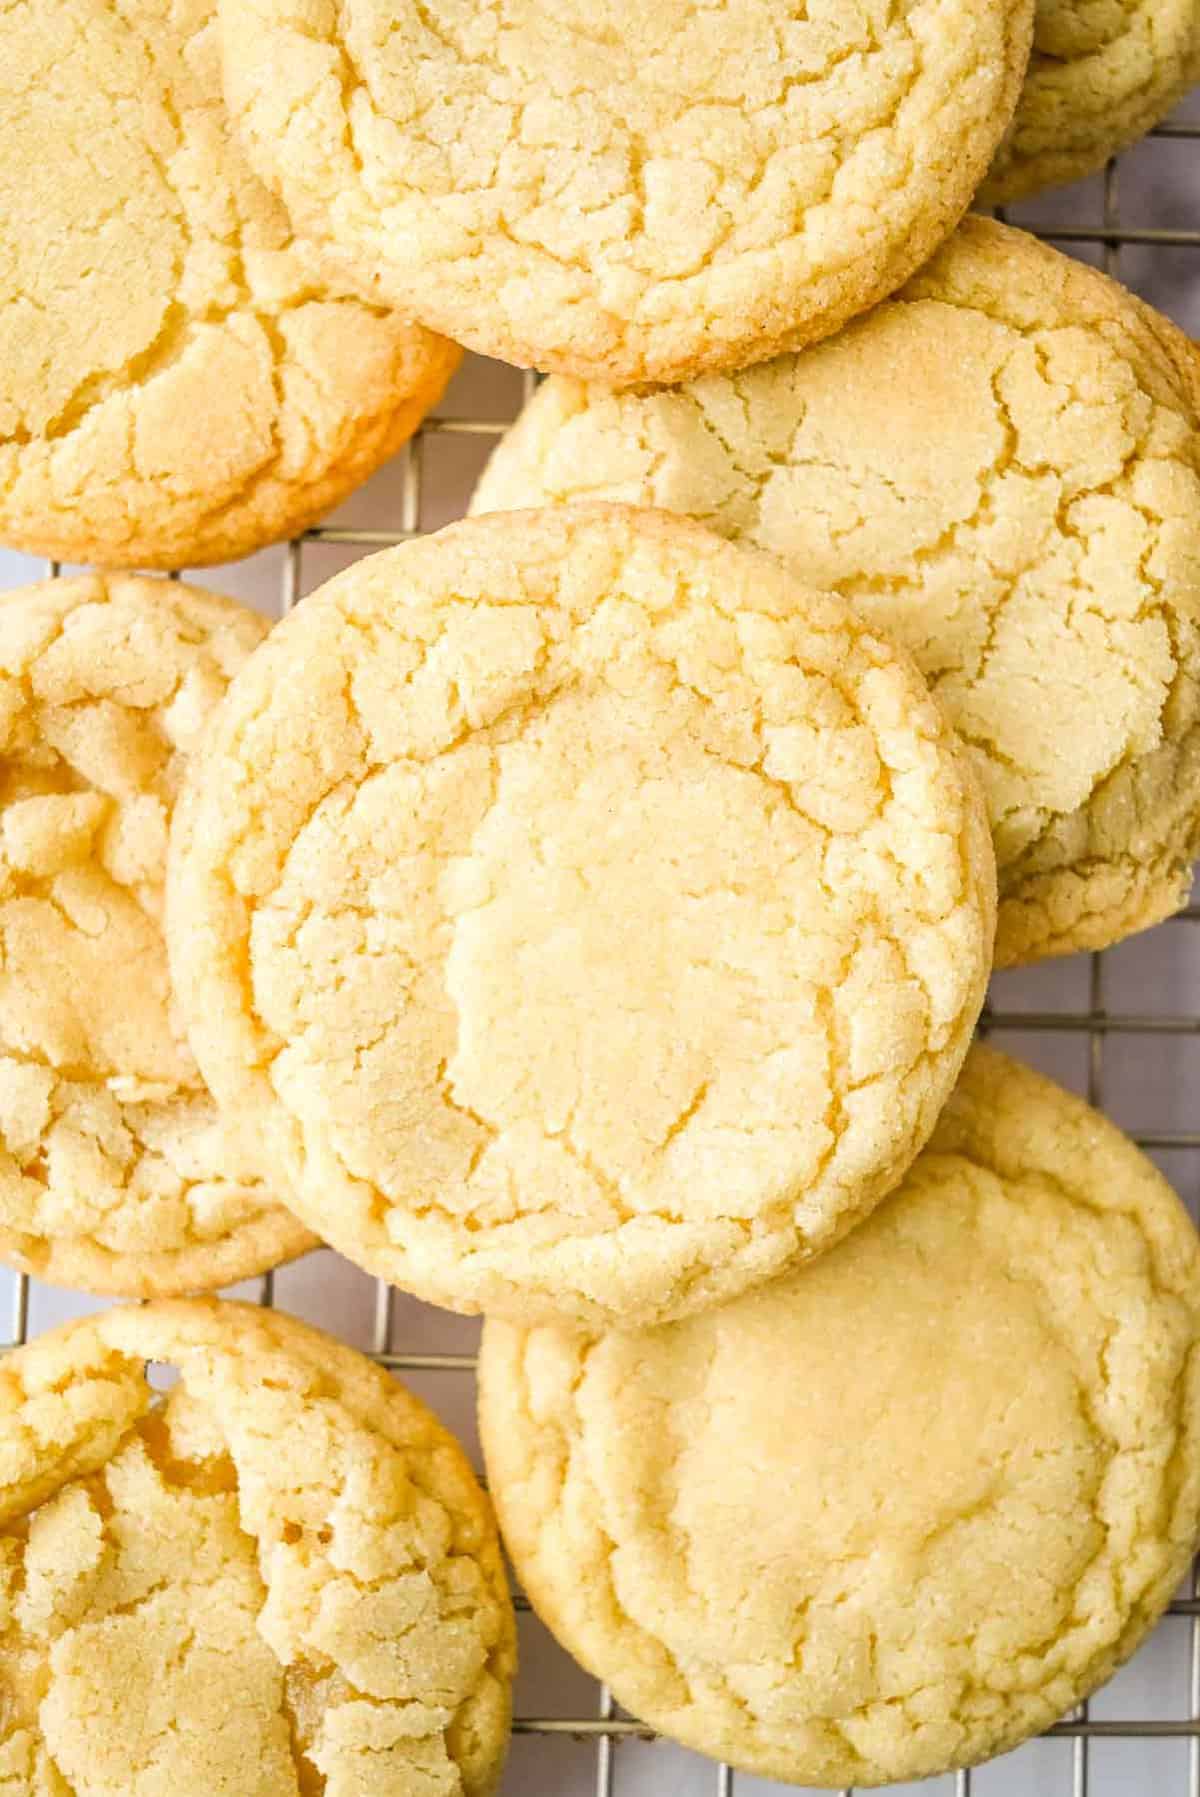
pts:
pixel 1123 1027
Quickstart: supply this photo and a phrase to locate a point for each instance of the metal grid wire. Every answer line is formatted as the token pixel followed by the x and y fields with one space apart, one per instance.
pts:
pixel 1096 1021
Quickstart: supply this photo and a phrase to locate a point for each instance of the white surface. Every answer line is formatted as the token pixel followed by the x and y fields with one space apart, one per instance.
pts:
pixel 1150 1083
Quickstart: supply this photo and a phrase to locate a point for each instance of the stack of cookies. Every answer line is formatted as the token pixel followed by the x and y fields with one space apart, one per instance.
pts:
pixel 582 915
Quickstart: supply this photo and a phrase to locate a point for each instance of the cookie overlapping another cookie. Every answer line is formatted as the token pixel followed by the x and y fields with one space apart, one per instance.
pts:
pixel 619 191
pixel 899 1511
pixel 580 916
pixel 1099 78
pixel 1001 468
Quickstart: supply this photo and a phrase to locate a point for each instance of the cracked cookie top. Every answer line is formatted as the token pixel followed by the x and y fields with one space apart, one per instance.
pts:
pixel 1001 468
pixel 178 382
pixel 902 1509
pixel 620 191
pixel 280 1580
pixel 583 917
pixel 1101 74
pixel 116 1173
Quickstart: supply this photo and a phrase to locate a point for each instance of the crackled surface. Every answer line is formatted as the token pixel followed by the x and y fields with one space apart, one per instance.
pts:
pixel 622 191
pixel 1102 73
pixel 582 916
pixel 115 1171
pixel 902 1509
pixel 1001 467
pixel 178 383
pixel 279 1581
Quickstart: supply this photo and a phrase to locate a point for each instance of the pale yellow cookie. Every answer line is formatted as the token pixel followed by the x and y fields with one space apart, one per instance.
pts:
pixel 1101 74
pixel 585 918
pixel 623 191
pixel 902 1509
pixel 116 1173
pixel 179 383
pixel 281 1579
pixel 1001 467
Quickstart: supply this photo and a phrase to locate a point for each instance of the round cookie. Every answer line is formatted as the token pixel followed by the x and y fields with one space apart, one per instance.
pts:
pixel 280 1578
pixel 582 916
pixel 1000 467
pixel 179 383
pixel 116 1174
pixel 624 192
pixel 1100 76
pixel 902 1509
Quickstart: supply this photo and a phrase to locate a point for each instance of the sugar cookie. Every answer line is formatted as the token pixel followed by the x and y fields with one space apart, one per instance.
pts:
pixel 583 917
pixel 1100 76
pixel 282 1578
pixel 116 1173
pixel 1001 466
pixel 178 383
pixel 900 1510
pixel 620 191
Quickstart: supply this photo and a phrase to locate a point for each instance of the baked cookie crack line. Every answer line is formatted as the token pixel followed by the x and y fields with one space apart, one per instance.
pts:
pixel 1063 524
